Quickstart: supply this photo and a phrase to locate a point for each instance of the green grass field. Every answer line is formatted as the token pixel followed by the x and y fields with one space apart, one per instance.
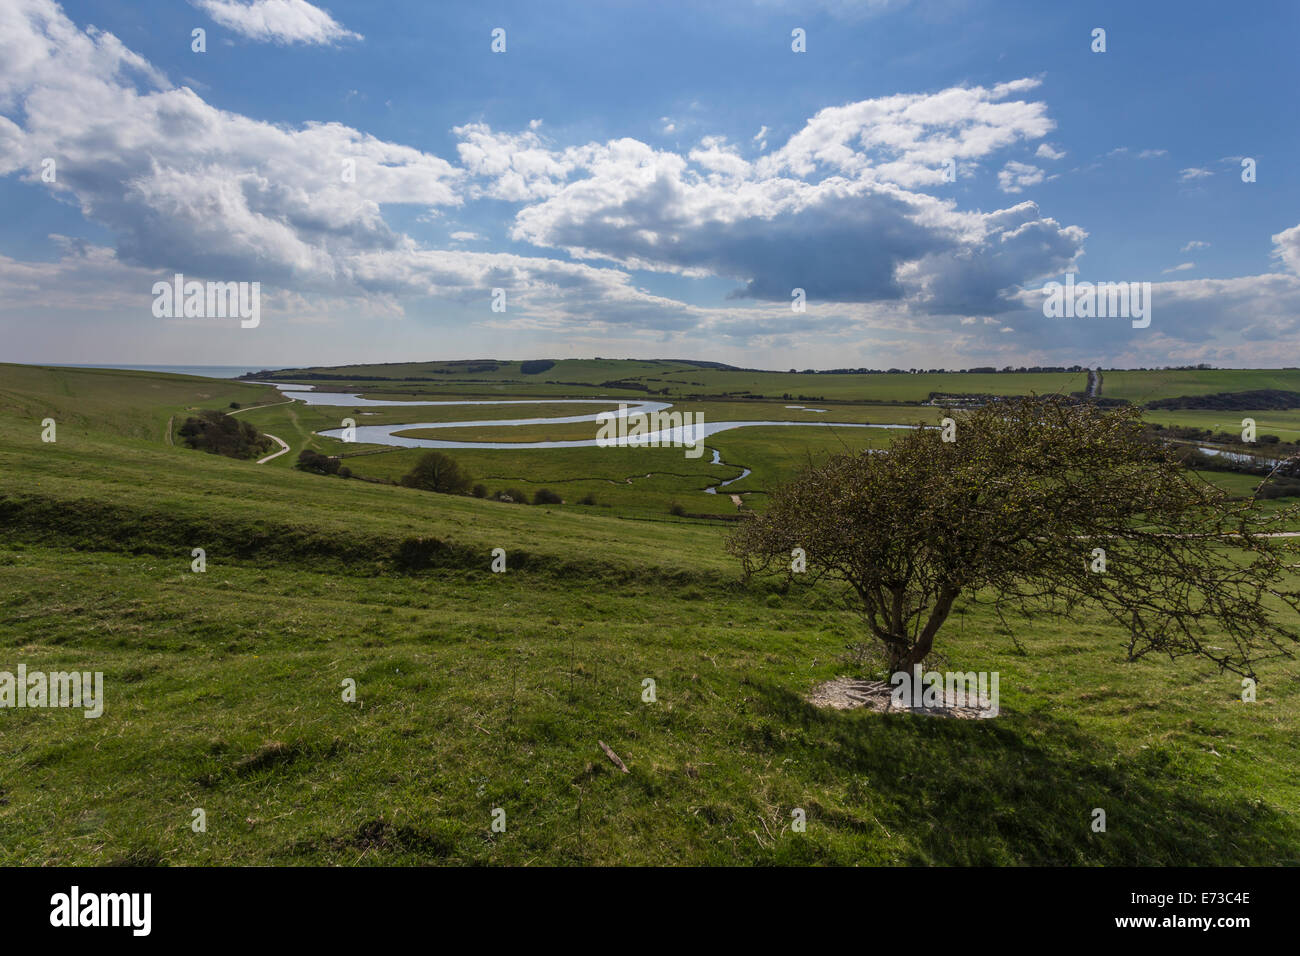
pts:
pixel 581 377
pixel 478 691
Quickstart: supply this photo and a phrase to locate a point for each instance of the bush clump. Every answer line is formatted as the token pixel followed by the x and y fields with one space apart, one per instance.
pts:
pixel 218 434
pixel 545 496
pixel 438 472
pixel 309 460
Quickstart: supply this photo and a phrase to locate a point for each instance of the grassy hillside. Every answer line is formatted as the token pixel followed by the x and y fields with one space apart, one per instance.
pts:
pixel 109 402
pixel 479 691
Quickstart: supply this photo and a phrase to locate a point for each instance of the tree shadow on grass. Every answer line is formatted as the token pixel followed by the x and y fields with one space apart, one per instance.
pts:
pixel 1015 790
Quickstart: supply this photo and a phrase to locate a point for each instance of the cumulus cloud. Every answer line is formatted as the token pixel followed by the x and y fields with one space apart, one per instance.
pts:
pixel 836 210
pixel 278 21
pixel 839 239
pixel 185 185
pixel 1047 151
pixel 1193 173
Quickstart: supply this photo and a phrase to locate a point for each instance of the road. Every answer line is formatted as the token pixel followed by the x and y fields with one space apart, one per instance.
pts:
pixel 280 442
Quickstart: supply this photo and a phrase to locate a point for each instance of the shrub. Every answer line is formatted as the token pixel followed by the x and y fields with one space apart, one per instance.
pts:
pixel 588 499
pixel 677 509
pixel 309 460
pixel 480 491
pixel 545 496
pixel 1281 488
pixel 437 472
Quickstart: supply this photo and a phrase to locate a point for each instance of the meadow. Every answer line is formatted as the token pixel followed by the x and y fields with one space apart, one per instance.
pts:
pixel 479 691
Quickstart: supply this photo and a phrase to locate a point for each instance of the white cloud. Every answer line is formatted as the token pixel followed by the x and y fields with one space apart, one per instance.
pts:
pixel 1194 245
pixel 1047 151
pixel 1015 176
pixel 840 209
pixel 185 186
pixel 1142 154
pixel 521 166
pixel 1193 173
pixel 277 21
pixel 906 138
pixel 1181 267
pixel 1288 248
pixel 720 160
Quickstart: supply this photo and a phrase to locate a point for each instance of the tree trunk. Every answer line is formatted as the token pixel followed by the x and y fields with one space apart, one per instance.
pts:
pixel 905 657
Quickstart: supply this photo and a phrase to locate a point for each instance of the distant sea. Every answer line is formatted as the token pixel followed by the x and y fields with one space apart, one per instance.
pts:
pixel 207 371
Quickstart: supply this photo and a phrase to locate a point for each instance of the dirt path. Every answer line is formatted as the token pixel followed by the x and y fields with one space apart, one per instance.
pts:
pixel 239 411
pixel 283 449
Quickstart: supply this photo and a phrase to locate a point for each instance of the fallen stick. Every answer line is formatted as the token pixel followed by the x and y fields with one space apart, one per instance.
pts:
pixel 613 756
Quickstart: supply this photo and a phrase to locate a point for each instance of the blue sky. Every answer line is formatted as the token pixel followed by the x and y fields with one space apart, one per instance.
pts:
pixel 649 180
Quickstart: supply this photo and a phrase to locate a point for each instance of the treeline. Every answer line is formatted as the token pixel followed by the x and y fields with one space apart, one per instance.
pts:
pixel 439 473
pixel 1260 399
pixel 218 434
pixel 979 370
pixel 1239 458
pixel 1276 447
pixel 984 398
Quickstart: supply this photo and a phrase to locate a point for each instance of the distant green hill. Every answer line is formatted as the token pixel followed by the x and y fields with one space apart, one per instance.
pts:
pixel 684 379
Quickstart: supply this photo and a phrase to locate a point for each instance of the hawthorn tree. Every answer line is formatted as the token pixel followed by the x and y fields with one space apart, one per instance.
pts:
pixel 1043 503
pixel 436 471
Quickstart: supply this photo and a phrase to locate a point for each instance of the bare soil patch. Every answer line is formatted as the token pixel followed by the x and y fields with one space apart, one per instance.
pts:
pixel 849 693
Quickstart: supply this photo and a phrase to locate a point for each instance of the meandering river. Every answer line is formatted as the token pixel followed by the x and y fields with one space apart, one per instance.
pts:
pixel 389 434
